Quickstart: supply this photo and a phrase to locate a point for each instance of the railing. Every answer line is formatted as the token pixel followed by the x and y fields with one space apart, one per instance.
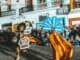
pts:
pixel 38 7
pixel 45 5
pixel 30 8
pixel 77 5
pixel 63 10
pixel 8 13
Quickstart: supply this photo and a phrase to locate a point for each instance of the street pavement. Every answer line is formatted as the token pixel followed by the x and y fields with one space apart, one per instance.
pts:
pixel 35 52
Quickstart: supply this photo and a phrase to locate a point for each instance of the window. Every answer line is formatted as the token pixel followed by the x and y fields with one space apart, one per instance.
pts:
pixel 53 2
pixel 42 1
pixel 8 4
pixel 58 3
pixel 63 10
pixel 29 4
pixel 17 0
pixel 41 18
pixel 76 3
pixel 42 4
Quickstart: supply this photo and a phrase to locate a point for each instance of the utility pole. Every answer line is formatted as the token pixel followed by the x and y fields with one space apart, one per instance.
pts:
pixel 17 9
pixel 0 8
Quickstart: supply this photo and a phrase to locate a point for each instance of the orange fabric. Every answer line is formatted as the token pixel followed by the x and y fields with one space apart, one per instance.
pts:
pixel 62 49
pixel 32 39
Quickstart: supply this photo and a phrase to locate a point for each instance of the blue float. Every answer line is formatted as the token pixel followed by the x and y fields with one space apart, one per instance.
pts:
pixel 57 22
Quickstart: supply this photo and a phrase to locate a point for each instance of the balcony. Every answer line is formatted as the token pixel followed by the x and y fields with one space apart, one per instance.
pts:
pixel 63 10
pixel 8 13
pixel 29 9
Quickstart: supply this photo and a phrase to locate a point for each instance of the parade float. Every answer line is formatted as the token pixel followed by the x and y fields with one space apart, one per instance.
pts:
pixel 57 22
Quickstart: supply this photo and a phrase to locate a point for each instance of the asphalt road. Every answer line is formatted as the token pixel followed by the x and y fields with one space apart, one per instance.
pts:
pixel 35 53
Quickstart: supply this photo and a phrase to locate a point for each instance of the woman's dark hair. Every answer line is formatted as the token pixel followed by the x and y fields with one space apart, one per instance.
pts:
pixel 30 24
pixel 21 24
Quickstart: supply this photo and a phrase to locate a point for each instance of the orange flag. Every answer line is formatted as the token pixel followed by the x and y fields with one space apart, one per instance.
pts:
pixel 62 49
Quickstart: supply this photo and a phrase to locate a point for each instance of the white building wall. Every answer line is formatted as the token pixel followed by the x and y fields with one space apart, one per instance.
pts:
pixel 4 20
pixel 30 16
pixel 49 3
pixel 66 2
pixel 14 3
pixel 34 16
pixel 75 15
pixel 35 3
pixel 3 5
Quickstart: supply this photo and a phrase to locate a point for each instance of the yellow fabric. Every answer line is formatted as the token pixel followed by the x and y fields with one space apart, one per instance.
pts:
pixel 71 4
pixel 62 49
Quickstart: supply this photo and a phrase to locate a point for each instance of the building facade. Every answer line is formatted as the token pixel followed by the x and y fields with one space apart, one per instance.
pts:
pixel 74 4
pixel 32 5
pixel 27 5
pixel 33 10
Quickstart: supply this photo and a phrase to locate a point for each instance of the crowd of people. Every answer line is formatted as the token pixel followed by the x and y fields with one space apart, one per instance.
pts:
pixel 41 35
pixel 73 34
pixel 70 34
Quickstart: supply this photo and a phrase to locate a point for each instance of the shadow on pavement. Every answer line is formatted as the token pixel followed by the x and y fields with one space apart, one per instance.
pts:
pixel 9 51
